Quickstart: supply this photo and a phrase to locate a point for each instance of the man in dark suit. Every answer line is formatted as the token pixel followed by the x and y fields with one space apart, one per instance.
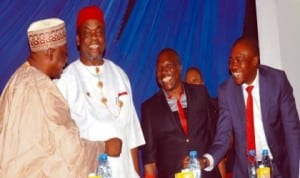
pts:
pixel 168 137
pixel 193 75
pixel 276 121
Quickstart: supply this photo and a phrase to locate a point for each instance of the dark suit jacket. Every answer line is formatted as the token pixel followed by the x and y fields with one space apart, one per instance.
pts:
pixel 280 121
pixel 166 144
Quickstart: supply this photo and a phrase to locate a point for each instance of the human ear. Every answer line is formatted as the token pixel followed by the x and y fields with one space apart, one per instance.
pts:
pixel 255 60
pixel 77 40
pixel 50 52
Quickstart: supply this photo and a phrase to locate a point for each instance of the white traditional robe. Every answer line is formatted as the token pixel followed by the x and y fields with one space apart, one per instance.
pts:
pixel 97 121
pixel 38 138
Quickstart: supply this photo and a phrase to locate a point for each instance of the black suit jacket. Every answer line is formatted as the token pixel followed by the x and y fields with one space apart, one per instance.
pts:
pixel 166 144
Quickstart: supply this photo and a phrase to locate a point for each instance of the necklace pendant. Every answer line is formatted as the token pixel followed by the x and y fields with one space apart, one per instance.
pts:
pixel 103 100
pixel 120 104
pixel 97 70
pixel 100 84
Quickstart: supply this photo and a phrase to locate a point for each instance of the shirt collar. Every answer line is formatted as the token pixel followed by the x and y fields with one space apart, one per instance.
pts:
pixel 172 101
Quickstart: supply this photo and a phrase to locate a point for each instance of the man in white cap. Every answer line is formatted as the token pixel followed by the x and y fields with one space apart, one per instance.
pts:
pixel 38 138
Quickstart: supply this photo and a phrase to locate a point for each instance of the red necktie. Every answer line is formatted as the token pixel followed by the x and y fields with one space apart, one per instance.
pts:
pixel 182 117
pixel 250 121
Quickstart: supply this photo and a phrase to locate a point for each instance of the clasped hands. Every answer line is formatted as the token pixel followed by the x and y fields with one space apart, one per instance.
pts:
pixel 113 147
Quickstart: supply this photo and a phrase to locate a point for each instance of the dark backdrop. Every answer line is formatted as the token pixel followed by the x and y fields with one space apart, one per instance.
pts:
pixel 202 31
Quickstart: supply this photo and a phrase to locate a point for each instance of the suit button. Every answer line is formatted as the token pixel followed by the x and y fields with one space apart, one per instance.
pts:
pixel 187 140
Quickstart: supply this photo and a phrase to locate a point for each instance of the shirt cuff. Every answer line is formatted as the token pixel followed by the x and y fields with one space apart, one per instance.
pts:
pixel 210 167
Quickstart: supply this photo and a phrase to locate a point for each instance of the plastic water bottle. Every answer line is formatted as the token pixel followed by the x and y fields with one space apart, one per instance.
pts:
pixel 265 168
pixel 194 164
pixel 266 160
pixel 252 166
pixel 104 169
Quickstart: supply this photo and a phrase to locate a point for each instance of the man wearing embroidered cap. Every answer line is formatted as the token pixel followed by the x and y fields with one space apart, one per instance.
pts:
pixel 99 94
pixel 38 138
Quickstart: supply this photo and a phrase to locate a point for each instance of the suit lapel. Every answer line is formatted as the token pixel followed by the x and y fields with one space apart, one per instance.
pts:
pixel 191 106
pixel 239 104
pixel 238 113
pixel 264 92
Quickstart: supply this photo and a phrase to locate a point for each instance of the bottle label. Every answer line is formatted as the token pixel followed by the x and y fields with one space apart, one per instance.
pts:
pixel 185 174
pixel 264 172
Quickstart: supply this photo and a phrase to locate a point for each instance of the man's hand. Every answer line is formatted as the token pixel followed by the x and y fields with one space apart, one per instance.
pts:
pixel 150 170
pixel 185 162
pixel 203 161
pixel 113 147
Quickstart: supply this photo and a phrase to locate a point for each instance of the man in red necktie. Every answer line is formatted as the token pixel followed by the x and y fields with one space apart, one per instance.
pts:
pixel 175 120
pixel 275 126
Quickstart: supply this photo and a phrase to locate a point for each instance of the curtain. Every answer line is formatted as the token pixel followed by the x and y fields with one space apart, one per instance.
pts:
pixel 201 31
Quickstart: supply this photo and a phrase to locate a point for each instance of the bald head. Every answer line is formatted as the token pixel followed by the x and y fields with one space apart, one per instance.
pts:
pixel 249 44
pixel 169 53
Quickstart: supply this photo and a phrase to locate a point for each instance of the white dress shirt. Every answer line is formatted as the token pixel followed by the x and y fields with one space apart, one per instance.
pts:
pixel 260 136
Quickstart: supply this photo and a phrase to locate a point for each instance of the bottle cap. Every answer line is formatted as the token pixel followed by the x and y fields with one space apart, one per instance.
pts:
pixel 265 152
pixel 251 152
pixel 193 154
pixel 102 157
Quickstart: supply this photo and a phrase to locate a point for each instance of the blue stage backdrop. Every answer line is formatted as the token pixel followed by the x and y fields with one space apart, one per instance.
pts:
pixel 202 31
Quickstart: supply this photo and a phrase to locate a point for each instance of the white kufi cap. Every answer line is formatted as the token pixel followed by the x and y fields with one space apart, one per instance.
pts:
pixel 46 33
